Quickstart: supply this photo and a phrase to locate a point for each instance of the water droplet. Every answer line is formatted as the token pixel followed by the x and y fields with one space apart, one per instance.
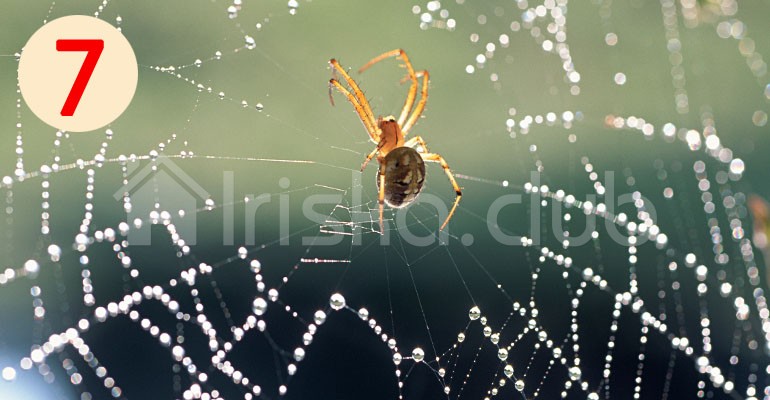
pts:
pixel 759 118
pixel 255 266
pixel 397 358
pixel 259 107
pixel 250 43
pixel 198 62
pixel 337 301
pixel 259 306
pixel 293 4
pixel 319 317
pixel 299 354
pixel 55 252
pixel 9 374
pixel 508 370
pixel 519 385
pixel 620 78
pixel 611 39
pixel 575 373
pixel 474 313
pixel 418 354
pixel 232 12
pixel 737 166
pixel 502 354
pixel 31 266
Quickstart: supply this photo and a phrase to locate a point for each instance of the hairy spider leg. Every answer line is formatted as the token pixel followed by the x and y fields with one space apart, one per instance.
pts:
pixel 420 105
pixel 358 100
pixel 371 129
pixel 410 98
pixel 371 155
pixel 381 198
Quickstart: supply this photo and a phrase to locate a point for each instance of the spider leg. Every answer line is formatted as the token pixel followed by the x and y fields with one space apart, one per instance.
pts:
pixel 371 155
pixel 417 140
pixel 381 199
pixel 420 105
pixel 371 128
pixel 410 74
pixel 434 157
pixel 364 109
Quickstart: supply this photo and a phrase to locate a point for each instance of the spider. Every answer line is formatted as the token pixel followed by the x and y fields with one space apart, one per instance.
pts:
pixel 401 173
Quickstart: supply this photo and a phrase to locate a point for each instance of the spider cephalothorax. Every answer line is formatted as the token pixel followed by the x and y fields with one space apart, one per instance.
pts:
pixel 402 168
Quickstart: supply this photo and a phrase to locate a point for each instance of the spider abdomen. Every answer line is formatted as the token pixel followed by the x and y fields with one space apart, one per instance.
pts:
pixel 404 176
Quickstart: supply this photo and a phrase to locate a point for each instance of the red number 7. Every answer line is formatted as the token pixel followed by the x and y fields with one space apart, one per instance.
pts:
pixel 94 48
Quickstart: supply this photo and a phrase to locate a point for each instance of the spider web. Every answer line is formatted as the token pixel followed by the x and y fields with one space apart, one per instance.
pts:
pixel 625 268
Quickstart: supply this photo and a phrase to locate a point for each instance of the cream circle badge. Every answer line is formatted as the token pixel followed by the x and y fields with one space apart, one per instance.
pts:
pixel 77 73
